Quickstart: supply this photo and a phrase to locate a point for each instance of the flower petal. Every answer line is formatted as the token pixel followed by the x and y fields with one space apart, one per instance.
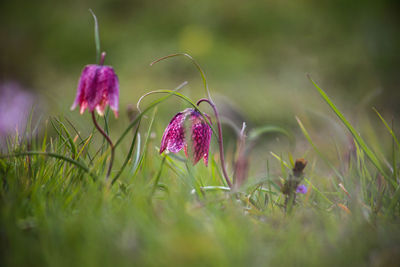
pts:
pixel 200 137
pixel 173 139
pixel 94 86
pixel 80 94
pixel 302 189
pixel 112 89
pixel 98 87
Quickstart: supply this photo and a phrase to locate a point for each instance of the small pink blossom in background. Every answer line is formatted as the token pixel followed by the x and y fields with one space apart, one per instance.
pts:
pixel 302 189
pixel 175 137
pixel 98 86
pixel 15 108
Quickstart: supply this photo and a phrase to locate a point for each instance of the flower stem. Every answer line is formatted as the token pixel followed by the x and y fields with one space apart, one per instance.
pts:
pixel 220 139
pixel 102 58
pixel 108 140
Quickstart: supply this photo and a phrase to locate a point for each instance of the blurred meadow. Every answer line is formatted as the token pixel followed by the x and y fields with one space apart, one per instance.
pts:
pixel 256 56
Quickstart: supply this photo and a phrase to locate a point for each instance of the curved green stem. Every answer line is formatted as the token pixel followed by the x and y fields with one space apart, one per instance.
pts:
pixel 220 138
pixel 108 140
pixel 174 92
pixel 166 91
pixel 152 105
pixel 102 58
pixel 203 75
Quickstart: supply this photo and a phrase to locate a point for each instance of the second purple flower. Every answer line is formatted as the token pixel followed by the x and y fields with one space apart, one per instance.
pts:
pixel 98 87
pixel 197 144
pixel 302 189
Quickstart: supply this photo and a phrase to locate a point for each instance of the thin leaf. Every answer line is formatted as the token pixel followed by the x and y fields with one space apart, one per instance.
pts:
pixel 322 156
pixel 84 146
pixel 54 155
pixel 128 156
pixel 137 154
pixel 370 154
pixel 257 132
pixel 197 65
pixel 387 127
pixel 70 140
pixel 136 120
pixel 157 178
pixel 213 189
pixel 96 35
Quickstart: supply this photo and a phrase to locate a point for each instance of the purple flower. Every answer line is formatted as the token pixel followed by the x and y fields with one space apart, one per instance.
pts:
pixel 97 87
pixel 15 107
pixel 174 137
pixel 302 189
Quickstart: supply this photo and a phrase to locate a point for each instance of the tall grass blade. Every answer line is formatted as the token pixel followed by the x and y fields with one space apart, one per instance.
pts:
pixel 53 155
pixel 322 156
pixel 70 140
pixel 257 132
pixel 127 156
pixel 174 92
pixel 387 127
pixel 157 178
pixel 370 154
pixel 96 35
pixel 137 154
pixel 195 63
pixel 84 146
pixel 152 105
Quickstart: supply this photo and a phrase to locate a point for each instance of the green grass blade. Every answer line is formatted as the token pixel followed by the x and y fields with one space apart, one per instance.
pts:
pixel 96 35
pixel 370 154
pixel 146 141
pixel 128 156
pixel 322 156
pixel 387 127
pixel 70 140
pixel 84 146
pixel 137 154
pixel 80 138
pixel 213 188
pixel 284 163
pixel 136 120
pixel 59 133
pixel 174 92
pixel 158 176
pixel 53 155
pixel 318 191
pixel 257 132
pixel 195 63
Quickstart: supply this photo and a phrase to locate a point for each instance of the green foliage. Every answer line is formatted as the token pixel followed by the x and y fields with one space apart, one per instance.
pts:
pixel 56 209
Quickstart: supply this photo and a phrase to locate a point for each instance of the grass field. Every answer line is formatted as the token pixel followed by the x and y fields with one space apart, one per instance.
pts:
pixel 58 209
pixel 303 170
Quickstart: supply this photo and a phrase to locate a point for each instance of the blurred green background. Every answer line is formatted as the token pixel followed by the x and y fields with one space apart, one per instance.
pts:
pixel 255 53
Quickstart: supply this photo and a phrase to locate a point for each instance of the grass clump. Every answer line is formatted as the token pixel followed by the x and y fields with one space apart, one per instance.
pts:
pixel 57 208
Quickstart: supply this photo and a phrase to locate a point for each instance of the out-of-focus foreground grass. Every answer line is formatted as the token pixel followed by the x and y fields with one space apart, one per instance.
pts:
pixel 162 212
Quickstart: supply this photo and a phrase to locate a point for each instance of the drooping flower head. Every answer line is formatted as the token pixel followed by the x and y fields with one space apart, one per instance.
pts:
pixel 302 189
pixel 196 144
pixel 98 86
